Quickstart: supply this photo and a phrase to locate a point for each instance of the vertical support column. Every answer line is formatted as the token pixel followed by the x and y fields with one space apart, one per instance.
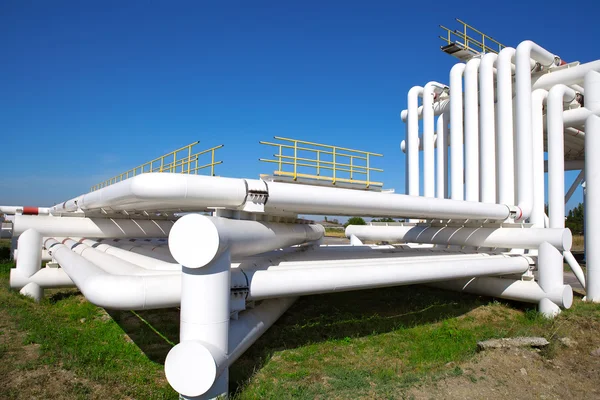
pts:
pixel 592 211
pixel 196 367
pixel 550 269
pixel 29 261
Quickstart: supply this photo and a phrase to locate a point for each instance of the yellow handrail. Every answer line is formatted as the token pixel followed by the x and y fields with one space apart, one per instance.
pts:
pixel 474 44
pixel 183 163
pixel 352 161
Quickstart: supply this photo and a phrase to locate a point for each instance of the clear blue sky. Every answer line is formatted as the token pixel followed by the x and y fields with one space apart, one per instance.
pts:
pixel 90 89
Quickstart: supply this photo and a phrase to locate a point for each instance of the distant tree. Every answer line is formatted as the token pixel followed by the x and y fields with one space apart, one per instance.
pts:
pixel 383 220
pixel 325 218
pixel 355 221
pixel 574 220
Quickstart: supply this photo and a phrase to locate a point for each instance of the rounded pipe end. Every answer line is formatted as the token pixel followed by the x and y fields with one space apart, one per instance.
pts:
pixel 567 240
pixel 567 296
pixel 194 241
pixel 190 368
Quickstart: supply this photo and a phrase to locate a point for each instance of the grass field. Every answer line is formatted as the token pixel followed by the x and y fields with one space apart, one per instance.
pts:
pixel 368 344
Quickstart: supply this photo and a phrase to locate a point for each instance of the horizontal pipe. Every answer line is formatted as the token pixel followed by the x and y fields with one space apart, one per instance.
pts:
pixel 91 227
pixel 439 107
pixel 196 240
pixel 509 238
pixel 525 291
pixel 165 191
pixel 305 199
pixel 122 292
pixel 134 258
pixel 566 76
pixel 46 278
pixel 300 282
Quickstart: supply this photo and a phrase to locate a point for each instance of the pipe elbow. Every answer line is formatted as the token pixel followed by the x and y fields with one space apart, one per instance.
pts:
pixel 561 93
pixel 194 241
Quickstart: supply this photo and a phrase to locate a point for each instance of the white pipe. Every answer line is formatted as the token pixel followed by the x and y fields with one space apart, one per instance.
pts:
pixel 566 76
pixel 134 258
pixel 524 53
pixel 412 156
pixel 278 283
pixel 550 266
pixel 471 131
pixel 557 96
pixel 45 278
pixel 526 291
pixel 153 191
pixel 537 121
pixel 456 132
pixel 439 107
pixel 575 267
pixel 13 210
pixel 196 239
pixel 253 323
pixel 111 264
pixel 428 128
pixel 570 165
pixel 45 255
pixel 520 238
pixel 487 130
pixel 30 252
pixel 504 138
pixel 574 185
pixel 441 178
pixel 146 251
pixel 92 227
pixel 311 200
pixel 592 199
pixel 116 292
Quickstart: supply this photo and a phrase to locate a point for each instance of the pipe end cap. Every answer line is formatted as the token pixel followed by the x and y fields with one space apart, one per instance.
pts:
pixel 190 368
pixel 194 241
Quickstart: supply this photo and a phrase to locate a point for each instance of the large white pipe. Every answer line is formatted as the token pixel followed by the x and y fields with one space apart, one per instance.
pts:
pixel 456 132
pixel 550 277
pixel 566 76
pixel 279 283
pixel 487 130
pixel 526 291
pixel 575 267
pixel 196 239
pixel 441 175
pixel 429 92
pixel 526 51
pixel 153 191
pixel 557 96
pixel 505 135
pixel 520 238
pixel 471 131
pixel 30 252
pixel 146 251
pixel 122 292
pixel 592 199
pixel 92 227
pixel 285 197
pixel 537 141
pixel 412 136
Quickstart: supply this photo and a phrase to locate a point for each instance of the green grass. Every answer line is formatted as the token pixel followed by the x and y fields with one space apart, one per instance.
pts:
pixel 365 344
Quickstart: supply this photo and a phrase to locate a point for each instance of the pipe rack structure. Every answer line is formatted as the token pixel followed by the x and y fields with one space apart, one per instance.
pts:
pixel 233 255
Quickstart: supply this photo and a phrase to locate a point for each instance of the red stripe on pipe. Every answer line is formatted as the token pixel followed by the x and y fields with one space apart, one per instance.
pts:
pixel 30 211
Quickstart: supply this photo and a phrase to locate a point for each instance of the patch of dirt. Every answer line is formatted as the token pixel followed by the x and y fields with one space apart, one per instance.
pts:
pixel 24 376
pixel 559 372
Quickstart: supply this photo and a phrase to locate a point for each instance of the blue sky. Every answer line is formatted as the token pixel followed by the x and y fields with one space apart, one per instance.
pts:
pixel 91 89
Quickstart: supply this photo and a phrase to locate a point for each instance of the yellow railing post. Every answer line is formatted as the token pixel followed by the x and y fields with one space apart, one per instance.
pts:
pixel 189 160
pixel 280 157
pixel 368 171
pixel 212 163
pixel 318 162
pixel 334 169
pixel 295 160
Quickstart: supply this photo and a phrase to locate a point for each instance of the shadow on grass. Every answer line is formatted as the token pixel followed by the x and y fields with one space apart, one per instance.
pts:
pixel 313 319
